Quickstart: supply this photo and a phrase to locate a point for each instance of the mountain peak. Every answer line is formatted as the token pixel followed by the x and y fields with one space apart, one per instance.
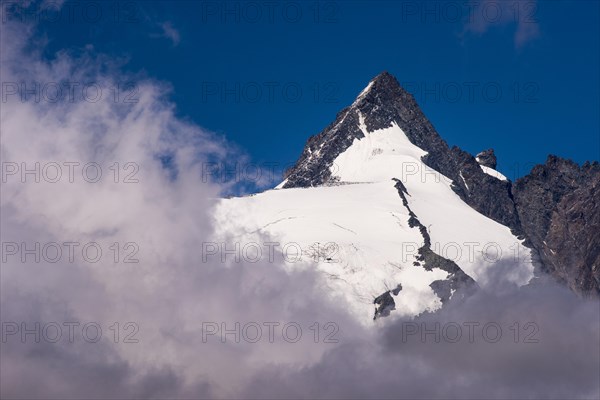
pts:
pixel 385 79
pixel 384 87
pixel 380 105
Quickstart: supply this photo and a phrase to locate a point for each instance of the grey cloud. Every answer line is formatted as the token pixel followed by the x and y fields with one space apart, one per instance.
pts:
pixel 565 363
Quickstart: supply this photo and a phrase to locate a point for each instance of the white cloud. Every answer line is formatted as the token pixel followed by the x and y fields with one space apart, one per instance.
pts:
pixel 490 14
pixel 169 32
pixel 170 292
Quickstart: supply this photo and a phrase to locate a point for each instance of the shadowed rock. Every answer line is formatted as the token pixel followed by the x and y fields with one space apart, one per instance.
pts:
pixel 487 158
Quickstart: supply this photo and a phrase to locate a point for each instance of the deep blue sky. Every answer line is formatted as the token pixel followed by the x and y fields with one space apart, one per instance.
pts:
pixel 545 61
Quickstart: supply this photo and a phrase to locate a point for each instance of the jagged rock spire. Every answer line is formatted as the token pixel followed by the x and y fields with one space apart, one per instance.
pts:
pixel 487 158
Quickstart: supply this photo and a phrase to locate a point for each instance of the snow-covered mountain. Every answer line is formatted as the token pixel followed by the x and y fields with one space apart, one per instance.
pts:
pixel 397 222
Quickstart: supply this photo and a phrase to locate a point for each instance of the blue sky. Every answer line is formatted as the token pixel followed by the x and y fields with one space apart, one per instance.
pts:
pixel 521 77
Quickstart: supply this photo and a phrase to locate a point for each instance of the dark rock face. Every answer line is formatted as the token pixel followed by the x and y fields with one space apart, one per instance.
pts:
pixel 457 279
pixel 313 166
pixel 559 209
pixel 487 158
pixel 457 285
pixel 385 303
pixel 574 238
pixel 486 194
pixel 555 207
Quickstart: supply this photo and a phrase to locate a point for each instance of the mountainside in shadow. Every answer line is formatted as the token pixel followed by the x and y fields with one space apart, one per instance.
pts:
pixel 559 209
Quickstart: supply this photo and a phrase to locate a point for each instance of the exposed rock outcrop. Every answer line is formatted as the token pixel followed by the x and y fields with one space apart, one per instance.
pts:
pixel 487 158
pixel 559 209
pixel 457 280
pixel 385 303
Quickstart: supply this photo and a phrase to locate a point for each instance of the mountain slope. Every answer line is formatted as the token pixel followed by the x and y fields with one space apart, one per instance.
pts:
pixel 406 236
pixel 534 209
pixel 383 103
